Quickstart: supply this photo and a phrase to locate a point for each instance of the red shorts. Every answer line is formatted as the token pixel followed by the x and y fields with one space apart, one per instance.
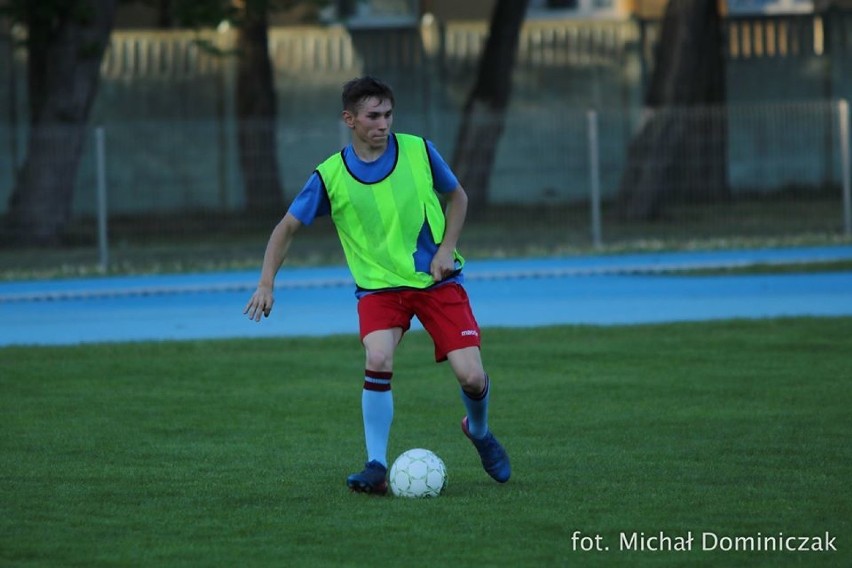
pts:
pixel 444 312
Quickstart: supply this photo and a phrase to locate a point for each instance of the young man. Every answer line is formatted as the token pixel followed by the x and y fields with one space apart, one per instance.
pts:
pixel 401 249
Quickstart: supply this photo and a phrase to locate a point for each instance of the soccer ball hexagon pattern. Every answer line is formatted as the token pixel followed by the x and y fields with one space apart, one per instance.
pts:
pixel 418 473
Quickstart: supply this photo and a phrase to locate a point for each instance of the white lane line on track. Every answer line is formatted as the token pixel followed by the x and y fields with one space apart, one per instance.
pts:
pixel 338 282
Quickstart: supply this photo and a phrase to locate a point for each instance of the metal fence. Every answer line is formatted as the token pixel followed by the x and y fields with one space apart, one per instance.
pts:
pixel 555 185
pixel 170 152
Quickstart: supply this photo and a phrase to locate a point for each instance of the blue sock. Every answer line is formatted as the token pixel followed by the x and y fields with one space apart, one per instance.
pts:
pixel 477 410
pixel 377 410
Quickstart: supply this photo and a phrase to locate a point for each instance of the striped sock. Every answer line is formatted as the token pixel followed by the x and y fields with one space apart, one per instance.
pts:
pixel 477 410
pixel 377 411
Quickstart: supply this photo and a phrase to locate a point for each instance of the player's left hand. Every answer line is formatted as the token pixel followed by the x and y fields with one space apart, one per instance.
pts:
pixel 443 265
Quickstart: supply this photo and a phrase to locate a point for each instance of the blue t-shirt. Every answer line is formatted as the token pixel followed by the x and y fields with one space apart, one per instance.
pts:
pixel 312 201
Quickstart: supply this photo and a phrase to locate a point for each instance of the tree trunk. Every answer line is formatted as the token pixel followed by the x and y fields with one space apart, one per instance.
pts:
pixel 485 110
pixel 680 151
pixel 65 47
pixel 255 102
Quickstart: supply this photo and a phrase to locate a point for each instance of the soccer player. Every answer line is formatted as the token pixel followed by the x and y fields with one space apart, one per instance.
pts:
pixel 400 246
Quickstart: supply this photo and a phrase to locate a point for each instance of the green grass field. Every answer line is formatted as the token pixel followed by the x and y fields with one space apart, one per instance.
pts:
pixel 234 453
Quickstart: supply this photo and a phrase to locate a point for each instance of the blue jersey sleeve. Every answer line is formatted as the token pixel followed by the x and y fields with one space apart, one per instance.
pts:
pixel 443 177
pixel 311 202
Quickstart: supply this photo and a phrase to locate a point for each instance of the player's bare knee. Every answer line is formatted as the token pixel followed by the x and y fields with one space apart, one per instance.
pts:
pixel 472 380
pixel 379 360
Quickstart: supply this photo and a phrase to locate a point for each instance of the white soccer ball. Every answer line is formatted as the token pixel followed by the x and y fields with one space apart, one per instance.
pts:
pixel 418 473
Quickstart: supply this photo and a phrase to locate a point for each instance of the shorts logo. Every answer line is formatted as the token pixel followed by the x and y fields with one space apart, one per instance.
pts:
pixel 469 332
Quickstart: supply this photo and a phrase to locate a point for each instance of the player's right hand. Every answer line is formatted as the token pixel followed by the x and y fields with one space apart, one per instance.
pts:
pixel 260 303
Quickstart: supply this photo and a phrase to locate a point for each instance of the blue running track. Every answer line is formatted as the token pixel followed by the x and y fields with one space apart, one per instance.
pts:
pixel 602 290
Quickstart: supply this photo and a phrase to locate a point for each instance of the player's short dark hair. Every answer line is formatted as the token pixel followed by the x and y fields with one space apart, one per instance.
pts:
pixel 356 90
